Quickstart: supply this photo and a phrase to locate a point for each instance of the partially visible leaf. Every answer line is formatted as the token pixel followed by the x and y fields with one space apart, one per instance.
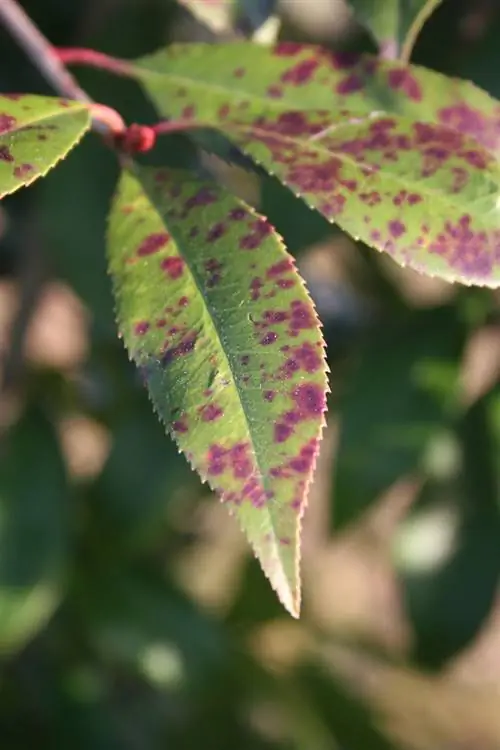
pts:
pixel 33 529
pixel 425 194
pixel 214 83
pixel 213 312
pixel 389 415
pixel 394 24
pixel 35 133
pixel 216 14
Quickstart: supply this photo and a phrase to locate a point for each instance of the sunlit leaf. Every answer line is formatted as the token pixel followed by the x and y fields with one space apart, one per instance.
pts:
pixel 35 133
pixel 33 529
pixel 214 314
pixel 425 194
pixel 394 24
pixel 212 83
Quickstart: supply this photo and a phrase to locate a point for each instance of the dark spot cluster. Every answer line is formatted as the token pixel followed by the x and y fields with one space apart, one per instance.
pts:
pixel 309 403
pixel 259 230
pixel 484 128
pixel 299 464
pixel 171 353
pixel 402 81
pixel 471 253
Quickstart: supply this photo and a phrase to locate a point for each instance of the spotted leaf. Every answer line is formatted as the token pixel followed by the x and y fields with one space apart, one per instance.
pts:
pixel 216 83
pixel 35 133
pixel 394 24
pixel 217 319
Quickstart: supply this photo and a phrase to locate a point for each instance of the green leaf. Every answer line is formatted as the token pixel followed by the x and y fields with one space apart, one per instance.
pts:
pixel 388 412
pixel 211 83
pixel 33 529
pixel 35 133
pixel 213 312
pixel 394 24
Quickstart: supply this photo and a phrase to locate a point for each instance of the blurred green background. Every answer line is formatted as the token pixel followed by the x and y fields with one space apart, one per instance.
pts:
pixel 132 615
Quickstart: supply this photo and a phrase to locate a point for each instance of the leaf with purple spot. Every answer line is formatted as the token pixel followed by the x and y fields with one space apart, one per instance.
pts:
pixel 216 84
pixel 216 317
pixel 394 24
pixel 35 133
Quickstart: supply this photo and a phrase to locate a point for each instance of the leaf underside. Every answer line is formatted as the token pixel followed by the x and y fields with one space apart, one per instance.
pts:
pixel 35 133
pixel 426 193
pixel 216 317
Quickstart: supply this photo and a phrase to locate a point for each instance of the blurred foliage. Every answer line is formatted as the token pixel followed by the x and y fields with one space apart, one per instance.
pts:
pixel 131 615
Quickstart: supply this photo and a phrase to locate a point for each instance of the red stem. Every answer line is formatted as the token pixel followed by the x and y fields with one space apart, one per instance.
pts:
pixel 93 59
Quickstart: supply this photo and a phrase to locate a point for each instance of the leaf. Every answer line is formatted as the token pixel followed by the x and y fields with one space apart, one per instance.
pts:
pixel 33 529
pixel 394 24
pixel 214 314
pixel 425 194
pixel 35 133
pixel 388 413
pixel 210 83
pixel 216 14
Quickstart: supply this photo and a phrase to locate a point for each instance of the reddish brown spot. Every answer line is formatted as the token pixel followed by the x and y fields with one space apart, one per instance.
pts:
pixel 278 269
pixel 301 73
pixel 396 228
pixel 239 72
pixel 7 123
pixel 141 328
pixel 403 80
pixel 260 229
pixel 255 286
pixel 152 243
pixel 185 347
pixel 180 426
pixel 5 154
pixel 23 170
pixel 302 316
pixel 288 49
pixel 215 232
pixel 350 84
pixel 211 412
pixel 183 302
pixel 269 395
pixel 173 266
pixel 269 338
pixel 282 432
pixel 310 400
pixel 237 214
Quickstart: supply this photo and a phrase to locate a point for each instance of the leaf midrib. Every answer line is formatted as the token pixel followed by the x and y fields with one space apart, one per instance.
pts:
pixel 72 109
pixel 213 320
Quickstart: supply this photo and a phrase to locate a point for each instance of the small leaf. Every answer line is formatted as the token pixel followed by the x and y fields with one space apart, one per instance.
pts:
pixel 35 133
pixel 394 24
pixel 216 317
pixel 215 83
pixel 216 14
pixel 33 529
